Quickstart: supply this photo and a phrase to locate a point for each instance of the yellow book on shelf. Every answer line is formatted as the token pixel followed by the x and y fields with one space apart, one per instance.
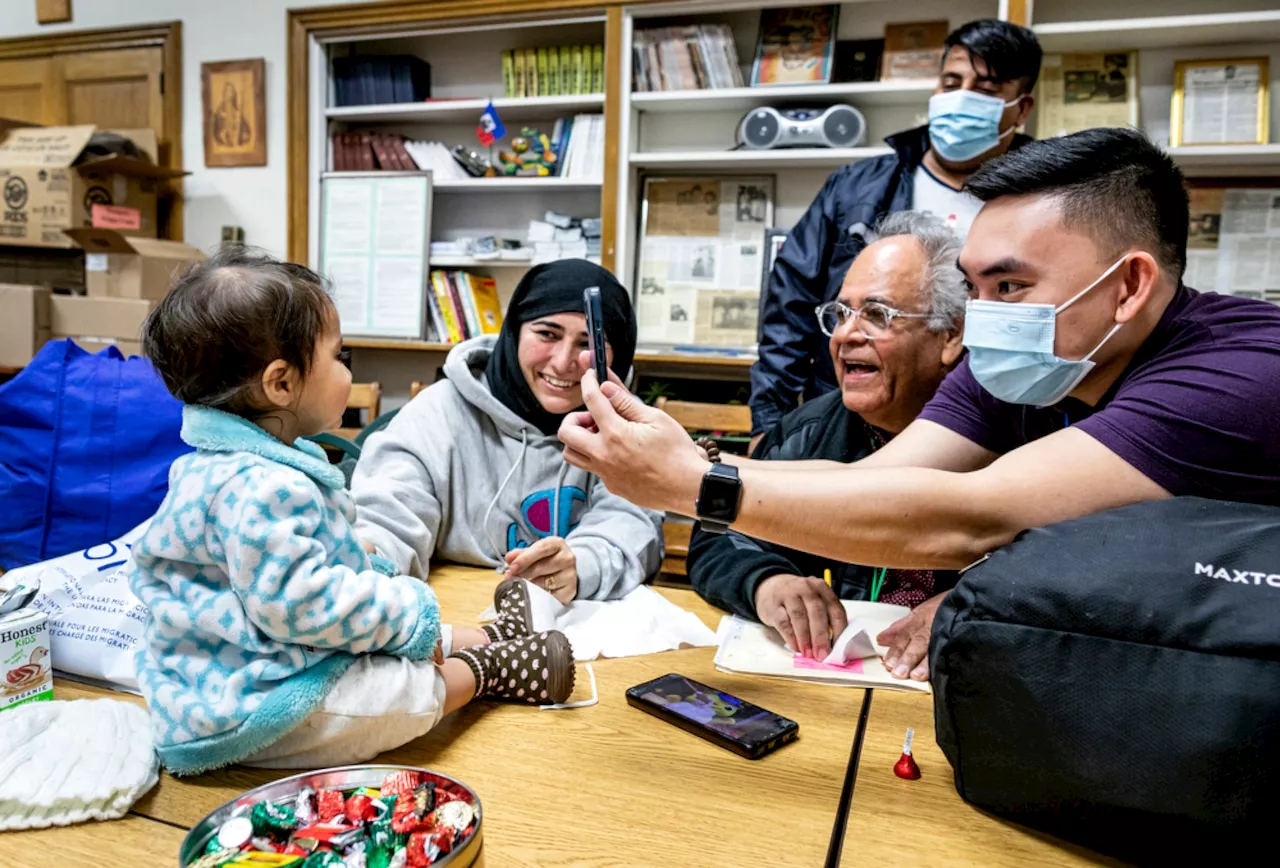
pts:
pixel 553 71
pixel 597 69
pixel 581 77
pixel 440 286
pixel 508 74
pixel 544 81
pixel 518 57
pixel 567 79
pixel 530 72
pixel 484 292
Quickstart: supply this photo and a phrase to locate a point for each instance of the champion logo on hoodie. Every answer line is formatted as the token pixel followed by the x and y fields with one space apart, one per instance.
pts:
pixel 537 509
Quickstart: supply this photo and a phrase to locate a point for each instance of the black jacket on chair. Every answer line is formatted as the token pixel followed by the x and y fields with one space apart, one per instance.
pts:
pixel 726 569
pixel 810 268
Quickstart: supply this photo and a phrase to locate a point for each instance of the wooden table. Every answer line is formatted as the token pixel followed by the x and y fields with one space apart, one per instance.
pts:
pixel 611 786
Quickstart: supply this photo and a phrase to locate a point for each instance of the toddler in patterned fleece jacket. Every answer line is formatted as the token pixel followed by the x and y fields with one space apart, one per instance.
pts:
pixel 273 638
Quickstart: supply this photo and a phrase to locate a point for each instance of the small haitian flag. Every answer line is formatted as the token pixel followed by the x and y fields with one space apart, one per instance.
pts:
pixel 490 128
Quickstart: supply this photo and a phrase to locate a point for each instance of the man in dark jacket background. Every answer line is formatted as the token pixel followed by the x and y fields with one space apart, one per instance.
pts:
pixel 983 95
pixel 891 355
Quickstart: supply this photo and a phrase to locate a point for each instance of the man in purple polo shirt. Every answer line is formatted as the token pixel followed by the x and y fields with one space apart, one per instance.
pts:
pixel 1094 379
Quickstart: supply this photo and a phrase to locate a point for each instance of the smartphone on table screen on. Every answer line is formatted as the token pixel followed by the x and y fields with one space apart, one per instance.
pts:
pixel 595 332
pixel 720 718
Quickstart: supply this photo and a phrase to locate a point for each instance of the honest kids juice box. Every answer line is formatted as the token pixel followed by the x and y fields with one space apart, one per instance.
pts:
pixel 26 673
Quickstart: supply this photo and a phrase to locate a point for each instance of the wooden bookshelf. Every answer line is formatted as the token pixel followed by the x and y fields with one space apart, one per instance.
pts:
pixel 692 131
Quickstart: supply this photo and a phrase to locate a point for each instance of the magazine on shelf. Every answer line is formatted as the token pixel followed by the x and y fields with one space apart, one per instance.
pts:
pixel 796 46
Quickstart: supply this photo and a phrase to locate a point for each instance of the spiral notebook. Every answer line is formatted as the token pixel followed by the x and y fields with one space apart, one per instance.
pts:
pixel 748 648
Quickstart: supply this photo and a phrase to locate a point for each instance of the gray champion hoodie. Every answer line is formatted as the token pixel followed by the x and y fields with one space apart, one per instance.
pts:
pixel 459 475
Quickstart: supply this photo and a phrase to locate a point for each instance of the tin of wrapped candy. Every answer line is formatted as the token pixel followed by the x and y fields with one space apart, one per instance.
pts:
pixel 399 783
pixel 214 857
pixel 329 804
pixel 322 859
pixel 453 815
pixel 272 820
pixel 304 806
pixel 411 809
pixel 256 857
pixel 359 808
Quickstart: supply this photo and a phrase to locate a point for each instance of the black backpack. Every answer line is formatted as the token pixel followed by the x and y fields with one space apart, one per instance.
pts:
pixel 1115 679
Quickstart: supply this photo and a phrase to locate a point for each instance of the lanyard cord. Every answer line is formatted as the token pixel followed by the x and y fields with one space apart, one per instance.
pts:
pixel 875 440
pixel 877 582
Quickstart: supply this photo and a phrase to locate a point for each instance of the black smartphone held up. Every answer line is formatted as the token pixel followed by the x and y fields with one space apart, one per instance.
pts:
pixel 595 332
pixel 720 718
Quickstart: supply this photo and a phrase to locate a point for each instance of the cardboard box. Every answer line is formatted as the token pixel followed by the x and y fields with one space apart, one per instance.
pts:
pixel 42 266
pixel 24 323
pixel 96 345
pixel 26 670
pixel 79 317
pixel 117 266
pixel 47 185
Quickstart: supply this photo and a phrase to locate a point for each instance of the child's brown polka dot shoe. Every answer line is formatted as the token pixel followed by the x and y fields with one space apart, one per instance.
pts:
pixel 537 669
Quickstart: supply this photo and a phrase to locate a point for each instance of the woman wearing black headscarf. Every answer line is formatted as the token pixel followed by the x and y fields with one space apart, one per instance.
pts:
pixel 471 469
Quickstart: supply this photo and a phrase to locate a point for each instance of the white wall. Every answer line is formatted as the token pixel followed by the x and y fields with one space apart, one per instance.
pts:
pixel 212 30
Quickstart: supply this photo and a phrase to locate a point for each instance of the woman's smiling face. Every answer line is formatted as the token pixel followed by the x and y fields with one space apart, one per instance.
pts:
pixel 549 351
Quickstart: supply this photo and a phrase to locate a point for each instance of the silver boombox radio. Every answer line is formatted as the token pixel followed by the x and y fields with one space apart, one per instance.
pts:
pixel 840 126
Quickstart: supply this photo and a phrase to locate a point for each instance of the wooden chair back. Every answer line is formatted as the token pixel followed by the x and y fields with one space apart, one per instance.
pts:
pixel 693 416
pixel 366 397
pixel 415 387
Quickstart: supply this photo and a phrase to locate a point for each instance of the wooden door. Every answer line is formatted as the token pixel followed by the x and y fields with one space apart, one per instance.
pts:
pixel 28 91
pixel 128 79
pixel 114 90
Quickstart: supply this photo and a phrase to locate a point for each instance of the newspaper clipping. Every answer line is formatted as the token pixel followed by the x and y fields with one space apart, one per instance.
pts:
pixel 1249 244
pixel 701 257
pixel 1202 238
pixel 1221 104
pixel 1080 91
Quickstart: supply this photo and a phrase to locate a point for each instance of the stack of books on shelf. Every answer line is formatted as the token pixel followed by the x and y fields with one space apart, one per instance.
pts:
pixel 378 80
pixel 365 152
pixel 582 147
pixel 462 306
pixel 560 236
pixel 488 248
pixel 558 71
pixel 686 58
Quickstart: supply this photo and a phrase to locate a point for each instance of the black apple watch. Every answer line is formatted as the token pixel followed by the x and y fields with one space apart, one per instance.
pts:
pixel 718 498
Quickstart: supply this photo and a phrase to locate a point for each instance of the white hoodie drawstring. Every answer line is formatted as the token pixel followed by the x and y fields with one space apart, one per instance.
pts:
pixel 497 549
pixel 555 516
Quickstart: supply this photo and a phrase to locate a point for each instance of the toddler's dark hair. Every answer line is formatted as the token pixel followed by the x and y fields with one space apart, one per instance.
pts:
pixel 230 317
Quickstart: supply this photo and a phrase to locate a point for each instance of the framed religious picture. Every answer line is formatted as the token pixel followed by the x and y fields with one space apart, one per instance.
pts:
pixel 233 101
pixel 1219 102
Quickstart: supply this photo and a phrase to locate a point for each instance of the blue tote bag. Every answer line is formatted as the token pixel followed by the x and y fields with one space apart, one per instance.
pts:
pixel 85 447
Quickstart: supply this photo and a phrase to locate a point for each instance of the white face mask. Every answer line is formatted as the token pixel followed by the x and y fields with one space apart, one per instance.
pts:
pixel 1011 353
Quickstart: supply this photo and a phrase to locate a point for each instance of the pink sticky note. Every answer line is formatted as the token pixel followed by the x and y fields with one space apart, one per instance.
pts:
pixel 115 217
pixel 802 662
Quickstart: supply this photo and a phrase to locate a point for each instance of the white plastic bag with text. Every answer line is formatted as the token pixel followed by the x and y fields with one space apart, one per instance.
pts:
pixel 95 621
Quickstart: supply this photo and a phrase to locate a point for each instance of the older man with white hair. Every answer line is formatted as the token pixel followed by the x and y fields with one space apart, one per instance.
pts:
pixel 894 332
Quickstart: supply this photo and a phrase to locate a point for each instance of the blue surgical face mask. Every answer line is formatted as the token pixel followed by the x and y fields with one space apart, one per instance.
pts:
pixel 1011 354
pixel 963 124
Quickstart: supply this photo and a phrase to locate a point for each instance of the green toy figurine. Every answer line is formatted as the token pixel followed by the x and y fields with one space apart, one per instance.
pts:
pixel 531 155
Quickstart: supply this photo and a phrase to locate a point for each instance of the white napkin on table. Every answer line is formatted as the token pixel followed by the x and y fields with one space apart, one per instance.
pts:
pixel 642 622
pixel 67 762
